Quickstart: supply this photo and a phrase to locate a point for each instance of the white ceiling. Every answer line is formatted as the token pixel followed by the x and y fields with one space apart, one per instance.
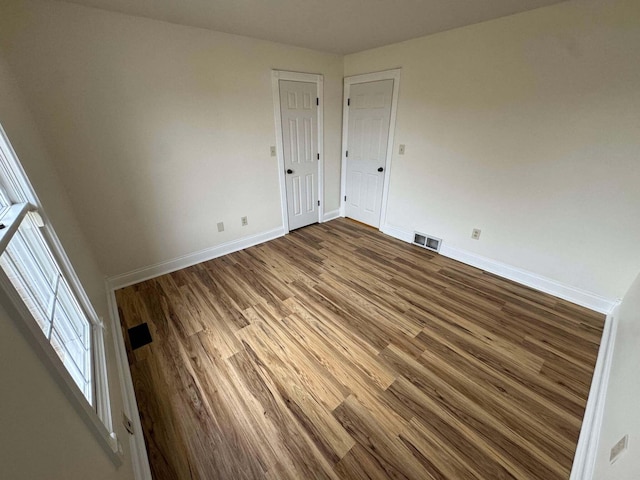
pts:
pixel 338 26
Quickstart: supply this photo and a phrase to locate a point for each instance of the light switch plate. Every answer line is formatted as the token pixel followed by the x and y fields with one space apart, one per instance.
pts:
pixel 273 151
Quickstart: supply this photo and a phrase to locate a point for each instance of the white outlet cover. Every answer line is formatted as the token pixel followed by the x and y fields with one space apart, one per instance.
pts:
pixel 273 151
pixel 221 226
pixel 401 149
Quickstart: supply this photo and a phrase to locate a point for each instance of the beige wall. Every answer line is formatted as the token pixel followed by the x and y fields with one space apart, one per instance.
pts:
pixel 42 434
pixel 527 128
pixel 621 405
pixel 160 131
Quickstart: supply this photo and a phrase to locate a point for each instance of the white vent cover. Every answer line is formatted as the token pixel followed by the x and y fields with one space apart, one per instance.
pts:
pixel 427 241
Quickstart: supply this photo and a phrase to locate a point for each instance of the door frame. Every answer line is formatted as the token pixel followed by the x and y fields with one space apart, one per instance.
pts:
pixel 318 79
pixel 364 78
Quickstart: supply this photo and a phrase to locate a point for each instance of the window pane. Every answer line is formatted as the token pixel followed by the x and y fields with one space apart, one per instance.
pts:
pixel 61 348
pixel 14 268
pixel 4 197
pixel 38 278
pixel 34 241
pixel 79 326
pixel 72 342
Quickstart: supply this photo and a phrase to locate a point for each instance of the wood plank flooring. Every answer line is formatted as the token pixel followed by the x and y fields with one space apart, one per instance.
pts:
pixel 337 352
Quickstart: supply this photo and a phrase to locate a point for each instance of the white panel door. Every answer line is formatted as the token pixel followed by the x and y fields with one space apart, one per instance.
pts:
pixel 300 143
pixel 368 135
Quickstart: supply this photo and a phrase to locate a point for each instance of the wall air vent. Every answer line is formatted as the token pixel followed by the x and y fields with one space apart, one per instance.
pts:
pixel 427 241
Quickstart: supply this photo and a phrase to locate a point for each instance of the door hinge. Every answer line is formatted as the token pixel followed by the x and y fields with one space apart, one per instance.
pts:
pixel 318 156
pixel 347 154
pixel 348 102
pixel 317 101
pixel 318 202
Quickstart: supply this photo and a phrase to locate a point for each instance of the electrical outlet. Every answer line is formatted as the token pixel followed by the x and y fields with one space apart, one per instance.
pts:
pixel 273 151
pixel 127 423
pixel 221 226
pixel 244 221
pixel 475 234
pixel 618 448
pixel 401 150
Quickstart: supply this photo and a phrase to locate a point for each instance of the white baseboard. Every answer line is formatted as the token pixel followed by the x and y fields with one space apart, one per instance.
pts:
pixel 585 458
pixel 397 233
pixel 533 280
pixel 139 458
pixel 152 271
pixel 331 215
pixel 538 282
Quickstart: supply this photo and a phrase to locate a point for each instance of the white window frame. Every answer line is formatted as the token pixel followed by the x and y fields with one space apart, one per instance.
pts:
pixel 97 415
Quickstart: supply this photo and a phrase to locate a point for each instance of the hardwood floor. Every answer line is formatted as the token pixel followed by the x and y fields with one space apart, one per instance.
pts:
pixel 339 352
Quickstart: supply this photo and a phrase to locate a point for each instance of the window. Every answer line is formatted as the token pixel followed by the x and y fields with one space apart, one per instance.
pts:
pixel 30 266
pixel 36 275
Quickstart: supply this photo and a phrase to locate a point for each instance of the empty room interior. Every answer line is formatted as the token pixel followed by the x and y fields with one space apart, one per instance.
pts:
pixel 319 239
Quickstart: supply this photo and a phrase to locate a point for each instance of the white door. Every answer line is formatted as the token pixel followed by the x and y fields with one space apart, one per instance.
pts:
pixel 368 135
pixel 300 143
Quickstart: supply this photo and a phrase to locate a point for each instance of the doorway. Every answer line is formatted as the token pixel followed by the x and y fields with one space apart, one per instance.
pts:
pixel 298 115
pixel 368 126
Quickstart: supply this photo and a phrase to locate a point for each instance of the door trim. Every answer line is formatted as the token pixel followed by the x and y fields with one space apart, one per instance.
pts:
pixel 370 77
pixel 276 76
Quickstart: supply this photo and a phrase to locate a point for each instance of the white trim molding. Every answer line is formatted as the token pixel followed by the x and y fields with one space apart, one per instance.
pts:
pixel 161 268
pixel 276 76
pixel 530 279
pixel 139 458
pixel 333 214
pixel 370 77
pixel 585 458
pixel 398 233
pixel 524 277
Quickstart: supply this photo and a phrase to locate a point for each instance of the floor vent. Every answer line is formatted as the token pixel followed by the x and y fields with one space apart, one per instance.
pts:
pixel 139 336
pixel 427 241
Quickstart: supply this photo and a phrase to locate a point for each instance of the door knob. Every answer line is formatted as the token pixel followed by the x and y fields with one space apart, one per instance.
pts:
pixel 381 169
pixel 289 171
